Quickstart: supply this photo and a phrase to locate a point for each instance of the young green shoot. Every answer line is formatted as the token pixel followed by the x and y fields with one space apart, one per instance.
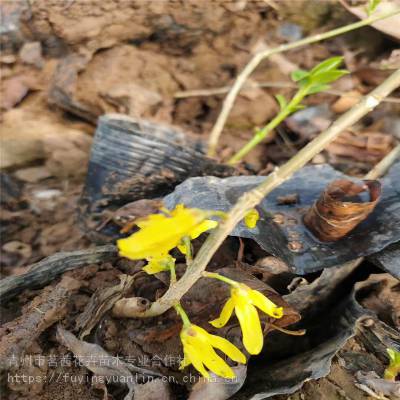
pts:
pixel 309 82
pixel 372 5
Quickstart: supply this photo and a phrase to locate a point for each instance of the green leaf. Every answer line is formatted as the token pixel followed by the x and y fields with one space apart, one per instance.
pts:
pixel 299 74
pixel 281 100
pixel 372 4
pixel 328 76
pixel 327 65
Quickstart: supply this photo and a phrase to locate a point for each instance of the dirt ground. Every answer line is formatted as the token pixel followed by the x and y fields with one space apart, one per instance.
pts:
pixel 65 63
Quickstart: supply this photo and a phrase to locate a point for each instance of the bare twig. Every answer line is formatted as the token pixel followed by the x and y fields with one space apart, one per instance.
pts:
pixel 49 268
pixel 258 57
pixel 255 196
pixel 384 164
pixel 268 84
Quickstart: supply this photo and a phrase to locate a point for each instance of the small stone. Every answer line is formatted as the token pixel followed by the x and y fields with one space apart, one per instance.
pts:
pixel 32 174
pixel 31 53
pixel 290 32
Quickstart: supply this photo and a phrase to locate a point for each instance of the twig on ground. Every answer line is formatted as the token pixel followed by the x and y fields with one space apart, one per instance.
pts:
pixel 255 196
pixel 258 57
pixel 49 268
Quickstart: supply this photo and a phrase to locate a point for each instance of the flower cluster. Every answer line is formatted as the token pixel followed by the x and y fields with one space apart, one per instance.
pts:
pixel 157 236
pixel 160 233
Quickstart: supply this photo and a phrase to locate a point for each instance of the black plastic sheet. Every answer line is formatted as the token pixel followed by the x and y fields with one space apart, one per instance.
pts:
pixel 280 230
pixel 388 259
pixel 132 159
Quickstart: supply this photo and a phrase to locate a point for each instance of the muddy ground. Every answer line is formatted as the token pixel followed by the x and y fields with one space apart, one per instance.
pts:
pixel 65 63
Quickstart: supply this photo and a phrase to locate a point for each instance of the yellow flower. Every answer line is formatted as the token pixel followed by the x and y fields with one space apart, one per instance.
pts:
pixel 196 232
pixel 198 349
pixel 160 233
pixel 244 301
pixel 159 263
pixel 393 368
pixel 251 218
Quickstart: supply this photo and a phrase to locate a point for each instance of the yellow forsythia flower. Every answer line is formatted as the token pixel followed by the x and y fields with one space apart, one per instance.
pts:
pixel 159 263
pixel 160 233
pixel 195 233
pixel 198 349
pixel 244 301
pixel 393 369
pixel 251 218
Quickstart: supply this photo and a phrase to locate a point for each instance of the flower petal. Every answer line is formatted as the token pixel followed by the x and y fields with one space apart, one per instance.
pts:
pixel 185 362
pixel 150 219
pixel 160 233
pixel 228 348
pixel 202 227
pixel 182 248
pixel 156 264
pixel 195 356
pixel 265 304
pixel 214 362
pixel 251 218
pixel 198 350
pixel 253 338
pixel 225 314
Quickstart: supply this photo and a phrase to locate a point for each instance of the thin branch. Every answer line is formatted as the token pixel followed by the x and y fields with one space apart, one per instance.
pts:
pixel 383 165
pixel 43 272
pixel 252 198
pixel 268 84
pixel 258 57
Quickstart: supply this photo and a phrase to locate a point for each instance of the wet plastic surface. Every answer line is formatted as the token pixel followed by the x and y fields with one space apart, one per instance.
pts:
pixel 265 380
pixel 133 159
pixel 388 259
pixel 281 231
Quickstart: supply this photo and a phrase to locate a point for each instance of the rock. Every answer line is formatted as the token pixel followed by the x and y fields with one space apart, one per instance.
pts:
pixel 309 122
pixel 32 174
pixel 262 105
pixel 29 136
pixel 136 86
pixel 132 99
pixel 154 389
pixel 11 35
pixel 14 90
pixel 67 153
pixel 31 54
pixel 22 249
pixel 21 141
pixel 290 32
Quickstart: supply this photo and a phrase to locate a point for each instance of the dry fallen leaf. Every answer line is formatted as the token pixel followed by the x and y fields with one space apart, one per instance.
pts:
pixel 390 26
pixel 361 146
pixel 340 208
pixel 346 101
